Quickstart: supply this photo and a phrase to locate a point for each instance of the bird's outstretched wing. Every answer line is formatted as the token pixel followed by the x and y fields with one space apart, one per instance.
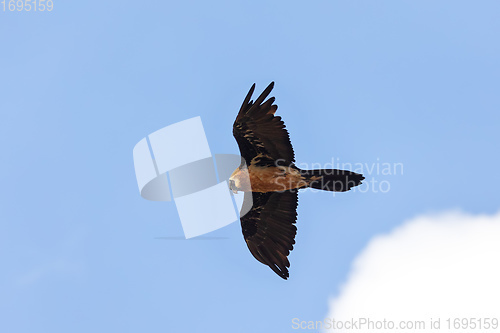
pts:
pixel 269 227
pixel 258 131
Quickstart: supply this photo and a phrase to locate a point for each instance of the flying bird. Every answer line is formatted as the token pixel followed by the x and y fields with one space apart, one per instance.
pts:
pixel 270 181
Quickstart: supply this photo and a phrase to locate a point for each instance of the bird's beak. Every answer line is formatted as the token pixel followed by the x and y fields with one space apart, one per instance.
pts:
pixel 232 187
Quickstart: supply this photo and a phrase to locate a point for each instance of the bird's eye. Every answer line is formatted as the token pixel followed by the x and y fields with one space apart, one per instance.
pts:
pixel 231 184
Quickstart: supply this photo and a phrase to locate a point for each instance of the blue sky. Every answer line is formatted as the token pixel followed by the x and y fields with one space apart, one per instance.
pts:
pixel 412 82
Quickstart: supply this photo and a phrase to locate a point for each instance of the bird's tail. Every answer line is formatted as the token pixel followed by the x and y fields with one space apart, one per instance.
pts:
pixel 331 179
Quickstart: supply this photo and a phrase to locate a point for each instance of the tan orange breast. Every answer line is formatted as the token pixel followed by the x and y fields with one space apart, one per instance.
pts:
pixel 267 179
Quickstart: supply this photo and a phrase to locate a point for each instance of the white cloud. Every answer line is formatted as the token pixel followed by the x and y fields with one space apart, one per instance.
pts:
pixel 435 266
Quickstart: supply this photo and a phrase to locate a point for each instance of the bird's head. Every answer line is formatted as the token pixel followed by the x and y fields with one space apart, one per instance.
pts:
pixel 239 180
